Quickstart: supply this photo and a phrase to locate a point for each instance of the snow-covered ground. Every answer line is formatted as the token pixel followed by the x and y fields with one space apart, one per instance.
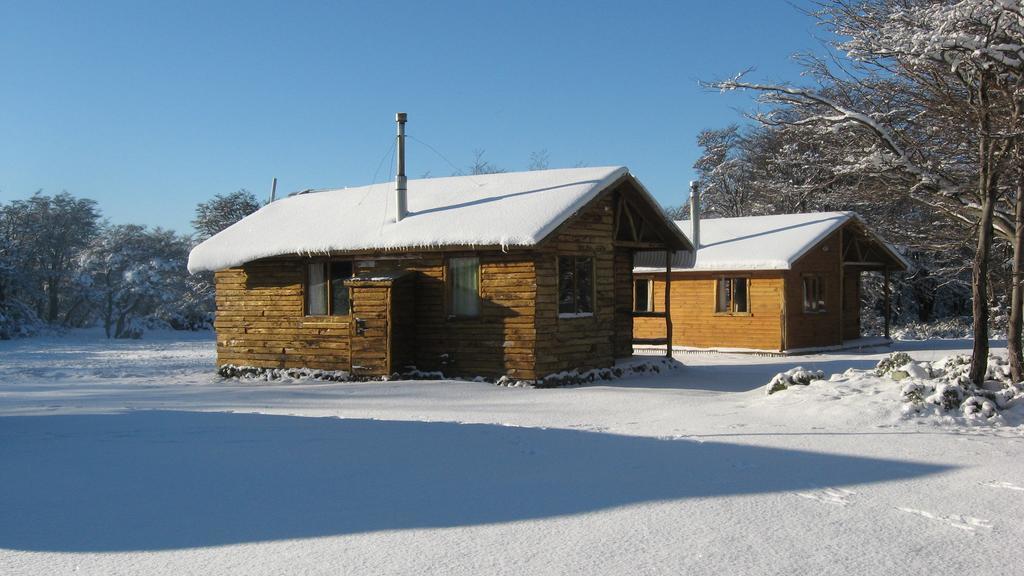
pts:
pixel 134 458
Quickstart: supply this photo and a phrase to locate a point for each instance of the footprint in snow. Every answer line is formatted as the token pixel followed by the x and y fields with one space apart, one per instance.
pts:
pixel 836 496
pixel 1006 485
pixel 968 523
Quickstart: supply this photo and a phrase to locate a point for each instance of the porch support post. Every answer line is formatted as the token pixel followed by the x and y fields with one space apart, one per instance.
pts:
pixel 888 304
pixel 668 303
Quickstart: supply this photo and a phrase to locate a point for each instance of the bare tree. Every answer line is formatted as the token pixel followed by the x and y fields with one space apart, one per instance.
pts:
pixel 539 159
pixel 481 165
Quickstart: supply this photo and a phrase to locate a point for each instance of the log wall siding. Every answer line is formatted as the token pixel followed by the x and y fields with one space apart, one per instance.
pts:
pixel 260 309
pixel 260 320
pixel 807 330
pixel 695 322
pixel 586 342
pixel 623 343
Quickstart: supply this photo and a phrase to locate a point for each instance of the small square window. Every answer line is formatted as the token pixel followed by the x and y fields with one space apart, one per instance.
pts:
pixel 731 295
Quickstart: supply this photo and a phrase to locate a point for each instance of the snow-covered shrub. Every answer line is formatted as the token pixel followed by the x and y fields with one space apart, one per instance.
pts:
pixel 947 395
pixel 975 406
pixel 947 388
pixel 793 377
pixel 915 392
pixel 892 362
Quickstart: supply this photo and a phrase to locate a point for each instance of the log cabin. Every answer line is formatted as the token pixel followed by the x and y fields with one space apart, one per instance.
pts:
pixel 785 283
pixel 515 274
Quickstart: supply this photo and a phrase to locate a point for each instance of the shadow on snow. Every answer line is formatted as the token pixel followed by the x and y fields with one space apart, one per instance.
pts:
pixel 168 480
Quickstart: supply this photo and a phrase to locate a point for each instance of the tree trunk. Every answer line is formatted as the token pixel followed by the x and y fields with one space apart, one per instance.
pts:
pixel 108 312
pixel 51 292
pixel 979 291
pixel 1015 328
pixel 987 196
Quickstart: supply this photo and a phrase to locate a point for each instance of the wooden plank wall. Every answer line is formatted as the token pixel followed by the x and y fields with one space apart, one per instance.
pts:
pixel 805 330
pixel 695 323
pixel 260 320
pixel 583 343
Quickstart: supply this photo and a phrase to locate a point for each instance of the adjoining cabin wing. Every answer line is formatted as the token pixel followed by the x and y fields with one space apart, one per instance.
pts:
pixel 773 243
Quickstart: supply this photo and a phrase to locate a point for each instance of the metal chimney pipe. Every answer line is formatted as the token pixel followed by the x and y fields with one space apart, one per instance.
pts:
pixel 695 214
pixel 401 194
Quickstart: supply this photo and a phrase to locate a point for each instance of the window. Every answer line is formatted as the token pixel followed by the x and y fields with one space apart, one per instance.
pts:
pixel 643 296
pixel 464 286
pixel 326 293
pixel 814 294
pixel 575 285
pixel 731 296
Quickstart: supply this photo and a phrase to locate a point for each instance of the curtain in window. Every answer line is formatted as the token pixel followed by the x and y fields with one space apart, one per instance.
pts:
pixel 814 299
pixel 316 295
pixel 722 290
pixel 575 285
pixel 465 286
pixel 566 285
pixel 584 285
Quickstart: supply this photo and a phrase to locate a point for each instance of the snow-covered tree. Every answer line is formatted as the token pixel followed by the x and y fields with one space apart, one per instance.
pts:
pixel 722 173
pixel 45 235
pixel 133 273
pixel 222 211
pixel 926 96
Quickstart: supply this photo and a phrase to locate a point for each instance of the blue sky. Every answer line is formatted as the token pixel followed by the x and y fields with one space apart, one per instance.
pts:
pixel 150 107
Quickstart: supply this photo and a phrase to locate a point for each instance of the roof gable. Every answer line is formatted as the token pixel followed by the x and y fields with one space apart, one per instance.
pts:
pixel 501 210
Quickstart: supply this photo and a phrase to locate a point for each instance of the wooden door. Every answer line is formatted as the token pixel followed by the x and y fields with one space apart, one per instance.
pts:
pixel 370 330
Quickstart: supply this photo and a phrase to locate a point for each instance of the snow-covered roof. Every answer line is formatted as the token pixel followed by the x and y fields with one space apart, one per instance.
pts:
pixel 507 209
pixel 757 242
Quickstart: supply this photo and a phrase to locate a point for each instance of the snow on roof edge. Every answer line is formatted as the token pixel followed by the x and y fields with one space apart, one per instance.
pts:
pixel 210 255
